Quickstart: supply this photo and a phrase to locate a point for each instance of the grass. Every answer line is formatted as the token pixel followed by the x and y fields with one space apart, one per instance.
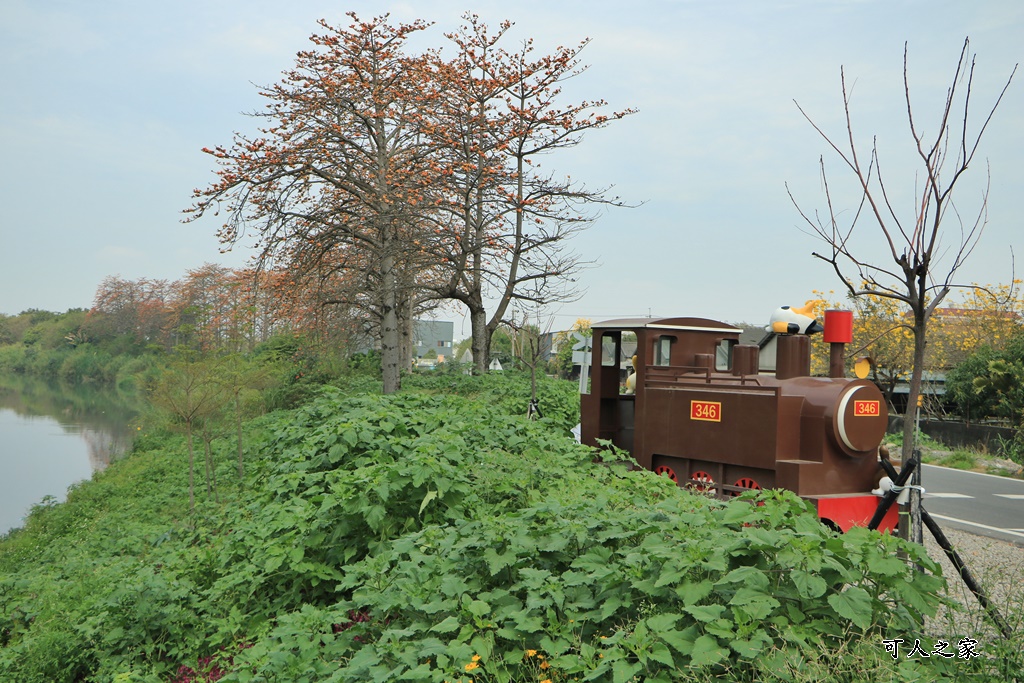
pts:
pixel 959 459
pixel 934 452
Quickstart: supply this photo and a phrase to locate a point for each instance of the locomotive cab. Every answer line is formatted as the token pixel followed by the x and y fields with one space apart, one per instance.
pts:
pixel 701 413
pixel 608 412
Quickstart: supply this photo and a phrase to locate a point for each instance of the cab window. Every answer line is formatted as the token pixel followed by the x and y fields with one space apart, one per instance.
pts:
pixel 610 350
pixel 723 355
pixel 663 350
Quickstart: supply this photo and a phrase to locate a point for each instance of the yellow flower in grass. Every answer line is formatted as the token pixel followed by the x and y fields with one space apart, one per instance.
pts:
pixel 531 653
pixel 476 658
pixel 544 665
pixel 546 680
pixel 471 666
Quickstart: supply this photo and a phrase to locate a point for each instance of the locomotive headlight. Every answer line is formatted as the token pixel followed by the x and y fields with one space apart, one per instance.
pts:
pixel 860 419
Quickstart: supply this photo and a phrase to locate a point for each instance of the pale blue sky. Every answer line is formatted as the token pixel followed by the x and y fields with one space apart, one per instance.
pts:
pixel 106 105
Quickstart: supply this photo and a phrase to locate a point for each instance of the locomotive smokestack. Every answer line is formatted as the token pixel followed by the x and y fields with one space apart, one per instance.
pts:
pixel 746 359
pixel 838 333
pixel 793 356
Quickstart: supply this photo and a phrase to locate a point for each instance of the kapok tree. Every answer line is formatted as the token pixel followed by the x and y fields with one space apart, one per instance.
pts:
pixel 926 252
pixel 505 224
pixel 338 177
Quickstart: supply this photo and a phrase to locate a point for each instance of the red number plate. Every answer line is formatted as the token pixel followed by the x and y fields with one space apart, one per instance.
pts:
pixel 710 411
pixel 867 408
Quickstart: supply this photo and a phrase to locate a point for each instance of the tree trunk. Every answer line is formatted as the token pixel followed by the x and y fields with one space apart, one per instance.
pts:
pixel 191 468
pixel 209 467
pixel 914 530
pixel 481 339
pixel 914 390
pixel 390 343
pixel 238 435
pixel 407 327
pixel 211 472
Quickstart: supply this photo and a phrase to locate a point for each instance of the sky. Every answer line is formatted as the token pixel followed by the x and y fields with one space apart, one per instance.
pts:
pixel 107 104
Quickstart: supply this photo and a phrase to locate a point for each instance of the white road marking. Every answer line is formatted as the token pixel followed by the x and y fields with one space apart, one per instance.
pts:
pixel 1012 532
pixel 1011 496
pixel 933 494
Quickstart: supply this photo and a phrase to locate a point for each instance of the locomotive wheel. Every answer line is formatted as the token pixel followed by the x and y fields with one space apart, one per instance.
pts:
pixel 745 483
pixel 701 481
pixel 667 471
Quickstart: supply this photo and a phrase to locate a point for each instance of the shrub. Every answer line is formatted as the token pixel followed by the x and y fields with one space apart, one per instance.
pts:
pixel 432 537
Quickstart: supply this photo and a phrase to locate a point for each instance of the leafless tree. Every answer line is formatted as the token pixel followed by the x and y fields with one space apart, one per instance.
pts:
pixel 927 241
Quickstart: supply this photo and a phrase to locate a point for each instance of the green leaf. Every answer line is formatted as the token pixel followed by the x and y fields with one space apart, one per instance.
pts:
pixel 623 671
pixel 483 645
pixel 853 604
pixel 497 561
pixel 749 649
pixel 755 603
pixel 447 626
pixel 668 576
pixel 707 651
pixel 663 622
pixel 692 593
pixel 478 608
pixel 705 613
pixel 661 653
pixel 431 495
pixel 751 577
pixel 681 641
pixel 808 585
pixel 737 511
pixel 887 566
pixel 272 563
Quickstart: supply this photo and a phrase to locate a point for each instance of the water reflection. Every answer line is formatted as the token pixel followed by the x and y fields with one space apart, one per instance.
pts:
pixel 51 436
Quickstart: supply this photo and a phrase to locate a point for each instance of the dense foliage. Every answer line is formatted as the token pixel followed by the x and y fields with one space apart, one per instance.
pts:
pixel 990 384
pixel 509 392
pixel 62 346
pixel 439 537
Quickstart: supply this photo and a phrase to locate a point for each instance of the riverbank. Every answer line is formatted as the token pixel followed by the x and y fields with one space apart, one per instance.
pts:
pixel 53 435
pixel 79 364
pixel 432 535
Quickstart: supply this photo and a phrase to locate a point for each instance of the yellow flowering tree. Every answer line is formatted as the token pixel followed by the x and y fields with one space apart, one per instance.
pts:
pixel 984 316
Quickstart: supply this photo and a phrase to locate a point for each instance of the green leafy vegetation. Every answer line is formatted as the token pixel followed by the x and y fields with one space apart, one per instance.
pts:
pixel 438 535
pixel 508 391
pixel 959 459
pixel 990 385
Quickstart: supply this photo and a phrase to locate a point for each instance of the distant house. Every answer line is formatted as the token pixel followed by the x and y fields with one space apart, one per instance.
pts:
pixel 436 335
pixel 549 343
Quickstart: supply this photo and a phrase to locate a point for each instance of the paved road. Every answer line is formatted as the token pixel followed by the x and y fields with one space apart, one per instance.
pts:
pixel 979 503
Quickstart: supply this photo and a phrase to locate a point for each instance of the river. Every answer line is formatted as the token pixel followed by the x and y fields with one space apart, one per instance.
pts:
pixel 51 436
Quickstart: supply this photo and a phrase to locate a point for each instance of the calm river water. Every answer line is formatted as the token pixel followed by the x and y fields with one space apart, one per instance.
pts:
pixel 52 436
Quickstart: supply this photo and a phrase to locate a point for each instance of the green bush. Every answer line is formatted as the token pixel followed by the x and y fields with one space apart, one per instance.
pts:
pixel 510 391
pixel 12 359
pixel 439 537
pixel 136 373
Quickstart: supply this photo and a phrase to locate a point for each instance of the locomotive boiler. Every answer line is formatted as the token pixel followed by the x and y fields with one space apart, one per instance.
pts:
pixel 699 411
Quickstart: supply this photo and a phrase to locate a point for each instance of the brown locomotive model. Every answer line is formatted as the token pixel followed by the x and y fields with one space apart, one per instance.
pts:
pixel 699 411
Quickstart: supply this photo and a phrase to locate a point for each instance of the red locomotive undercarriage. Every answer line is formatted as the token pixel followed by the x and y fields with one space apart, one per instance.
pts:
pixel 702 414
